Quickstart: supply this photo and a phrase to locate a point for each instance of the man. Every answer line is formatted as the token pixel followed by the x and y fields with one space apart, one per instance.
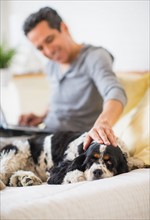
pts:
pixel 86 95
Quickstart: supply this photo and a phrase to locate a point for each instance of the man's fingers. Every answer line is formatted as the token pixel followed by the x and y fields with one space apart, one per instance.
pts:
pixel 111 137
pixel 101 135
pixel 95 136
pixel 26 119
pixel 87 142
pixel 23 120
pixel 34 121
pixel 92 135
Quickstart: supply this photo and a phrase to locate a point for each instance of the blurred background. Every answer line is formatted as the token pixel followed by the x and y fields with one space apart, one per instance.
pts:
pixel 122 27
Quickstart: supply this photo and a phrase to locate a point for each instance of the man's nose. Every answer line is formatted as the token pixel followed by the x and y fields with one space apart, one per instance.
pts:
pixel 48 52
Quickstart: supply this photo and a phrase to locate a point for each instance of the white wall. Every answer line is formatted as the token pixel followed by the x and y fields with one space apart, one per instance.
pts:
pixel 120 26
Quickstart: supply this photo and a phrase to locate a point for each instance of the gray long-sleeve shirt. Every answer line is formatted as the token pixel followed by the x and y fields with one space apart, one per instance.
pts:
pixel 77 96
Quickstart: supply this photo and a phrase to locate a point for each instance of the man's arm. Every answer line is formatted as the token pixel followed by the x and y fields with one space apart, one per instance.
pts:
pixel 102 130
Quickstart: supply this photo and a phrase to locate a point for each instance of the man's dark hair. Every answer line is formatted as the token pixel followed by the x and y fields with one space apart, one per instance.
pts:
pixel 44 14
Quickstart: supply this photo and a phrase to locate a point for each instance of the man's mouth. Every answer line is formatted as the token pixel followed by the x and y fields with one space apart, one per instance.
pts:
pixel 56 55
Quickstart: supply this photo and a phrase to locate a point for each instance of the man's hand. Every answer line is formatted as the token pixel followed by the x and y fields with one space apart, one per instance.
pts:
pixel 101 133
pixel 30 119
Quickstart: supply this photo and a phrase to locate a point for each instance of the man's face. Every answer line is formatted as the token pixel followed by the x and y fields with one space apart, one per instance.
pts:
pixel 53 44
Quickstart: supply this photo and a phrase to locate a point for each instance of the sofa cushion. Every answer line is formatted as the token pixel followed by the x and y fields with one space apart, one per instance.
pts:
pixel 135 85
pixel 133 129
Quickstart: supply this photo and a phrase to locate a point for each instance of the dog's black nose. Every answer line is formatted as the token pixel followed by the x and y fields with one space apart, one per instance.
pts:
pixel 97 173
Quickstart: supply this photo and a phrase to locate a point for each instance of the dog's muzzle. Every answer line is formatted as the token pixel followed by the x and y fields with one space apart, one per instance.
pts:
pixel 97 174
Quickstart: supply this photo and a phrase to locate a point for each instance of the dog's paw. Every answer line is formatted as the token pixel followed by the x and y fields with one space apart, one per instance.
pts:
pixel 135 163
pixel 73 177
pixel 2 185
pixel 24 178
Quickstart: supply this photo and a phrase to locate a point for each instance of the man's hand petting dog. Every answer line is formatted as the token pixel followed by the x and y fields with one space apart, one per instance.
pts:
pixel 102 133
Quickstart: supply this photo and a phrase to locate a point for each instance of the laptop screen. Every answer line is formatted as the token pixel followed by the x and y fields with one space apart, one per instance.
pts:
pixel 5 125
pixel 3 122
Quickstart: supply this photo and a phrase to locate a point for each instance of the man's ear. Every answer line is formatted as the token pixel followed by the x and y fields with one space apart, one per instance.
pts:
pixel 63 27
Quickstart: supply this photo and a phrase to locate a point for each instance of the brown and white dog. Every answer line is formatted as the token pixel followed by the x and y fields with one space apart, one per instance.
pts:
pixel 59 159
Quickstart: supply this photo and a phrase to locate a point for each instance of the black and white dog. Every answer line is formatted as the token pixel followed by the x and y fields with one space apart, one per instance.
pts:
pixel 59 159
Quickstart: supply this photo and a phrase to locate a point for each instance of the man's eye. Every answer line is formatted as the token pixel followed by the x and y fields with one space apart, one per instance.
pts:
pixel 40 48
pixel 50 39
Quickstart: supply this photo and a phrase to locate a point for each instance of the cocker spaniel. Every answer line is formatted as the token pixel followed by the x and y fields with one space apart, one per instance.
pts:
pixel 59 159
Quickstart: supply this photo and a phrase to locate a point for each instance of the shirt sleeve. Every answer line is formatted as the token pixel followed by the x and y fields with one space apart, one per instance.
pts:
pixel 104 78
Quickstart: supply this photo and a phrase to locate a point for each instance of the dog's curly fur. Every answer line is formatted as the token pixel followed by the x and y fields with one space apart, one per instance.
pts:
pixel 59 158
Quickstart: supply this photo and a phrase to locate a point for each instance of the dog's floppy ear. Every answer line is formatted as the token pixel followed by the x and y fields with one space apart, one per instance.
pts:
pixel 57 173
pixel 85 161
pixel 119 159
pixel 77 163
pixel 122 165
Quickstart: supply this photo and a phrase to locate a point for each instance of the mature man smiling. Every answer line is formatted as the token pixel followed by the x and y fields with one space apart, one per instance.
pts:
pixel 86 95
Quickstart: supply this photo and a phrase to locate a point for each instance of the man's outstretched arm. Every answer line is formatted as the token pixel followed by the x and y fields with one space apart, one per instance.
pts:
pixel 102 130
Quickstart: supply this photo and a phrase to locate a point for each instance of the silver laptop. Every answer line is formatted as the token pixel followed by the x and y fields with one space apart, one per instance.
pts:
pixel 6 126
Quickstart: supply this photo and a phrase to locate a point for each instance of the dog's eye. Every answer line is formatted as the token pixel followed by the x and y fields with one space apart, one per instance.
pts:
pixel 96 155
pixel 107 160
pixel 106 157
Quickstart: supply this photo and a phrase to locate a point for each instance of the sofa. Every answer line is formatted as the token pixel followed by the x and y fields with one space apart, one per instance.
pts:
pixel 125 196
